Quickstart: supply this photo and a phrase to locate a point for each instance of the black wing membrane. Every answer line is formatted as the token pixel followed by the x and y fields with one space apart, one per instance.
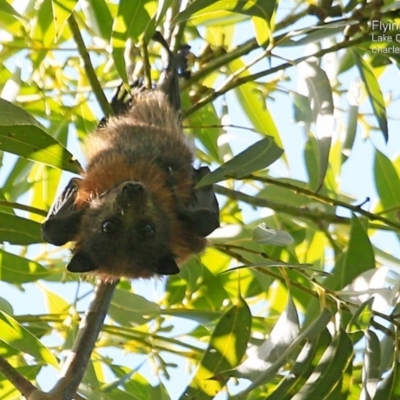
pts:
pixel 63 219
pixel 202 213
pixel 204 205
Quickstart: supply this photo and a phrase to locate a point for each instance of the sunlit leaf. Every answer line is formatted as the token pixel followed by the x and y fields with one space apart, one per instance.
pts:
pixel 361 318
pixel 256 157
pixel 261 358
pixel 129 308
pixel 263 234
pixel 374 92
pixel 21 134
pixel 10 20
pixel 386 181
pixel 254 105
pixel 55 303
pixel 15 269
pixel 226 347
pixel 99 17
pixel 310 332
pixel 381 284
pixel 257 8
pixel 359 256
pixel 62 9
pixel 43 28
pixel 131 22
pixel 372 359
pixel 16 336
pixel 329 372
pixel 306 361
pixel 18 230
pixel 314 83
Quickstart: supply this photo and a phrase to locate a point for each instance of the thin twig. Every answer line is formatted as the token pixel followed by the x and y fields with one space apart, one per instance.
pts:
pixel 299 212
pixel 23 207
pixel 90 72
pixel 251 78
pixel 325 199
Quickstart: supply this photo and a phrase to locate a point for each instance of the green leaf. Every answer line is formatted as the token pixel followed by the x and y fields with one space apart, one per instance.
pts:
pixel 253 104
pixel 359 256
pixel 226 348
pixel 257 8
pixel 8 391
pixel 43 29
pixel 351 130
pixel 329 372
pixel 361 318
pixel 265 235
pixel 306 361
pixel 318 89
pixel 262 358
pixel 310 333
pixel 374 92
pixel 131 22
pixel 62 9
pixel 10 20
pixel 129 308
pixel 301 108
pixel 136 383
pixel 199 316
pixel 55 303
pixel 21 134
pixel 261 30
pixel 390 386
pixel 372 360
pixel 256 157
pixel 312 34
pixel 15 269
pixel 18 230
pixel 387 182
pixel 99 17
pixel 16 336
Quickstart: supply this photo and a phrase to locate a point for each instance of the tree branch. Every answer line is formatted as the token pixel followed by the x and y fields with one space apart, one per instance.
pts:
pixel 90 326
pixel 20 382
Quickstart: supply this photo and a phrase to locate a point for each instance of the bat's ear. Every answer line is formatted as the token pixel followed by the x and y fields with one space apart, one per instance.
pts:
pixel 60 229
pixel 166 265
pixel 81 262
pixel 63 220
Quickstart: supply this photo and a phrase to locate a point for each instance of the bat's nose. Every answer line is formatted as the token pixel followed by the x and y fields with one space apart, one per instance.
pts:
pixel 132 190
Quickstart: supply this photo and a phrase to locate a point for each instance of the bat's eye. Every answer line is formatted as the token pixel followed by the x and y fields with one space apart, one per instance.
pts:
pixel 109 226
pixel 147 231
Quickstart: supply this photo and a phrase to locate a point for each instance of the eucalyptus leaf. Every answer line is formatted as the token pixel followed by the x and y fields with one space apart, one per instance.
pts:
pixel 374 92
pixel 22 135
pixel 265 235
pixel 256 157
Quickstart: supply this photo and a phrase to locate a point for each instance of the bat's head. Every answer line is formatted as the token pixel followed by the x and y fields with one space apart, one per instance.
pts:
pixel 124 233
